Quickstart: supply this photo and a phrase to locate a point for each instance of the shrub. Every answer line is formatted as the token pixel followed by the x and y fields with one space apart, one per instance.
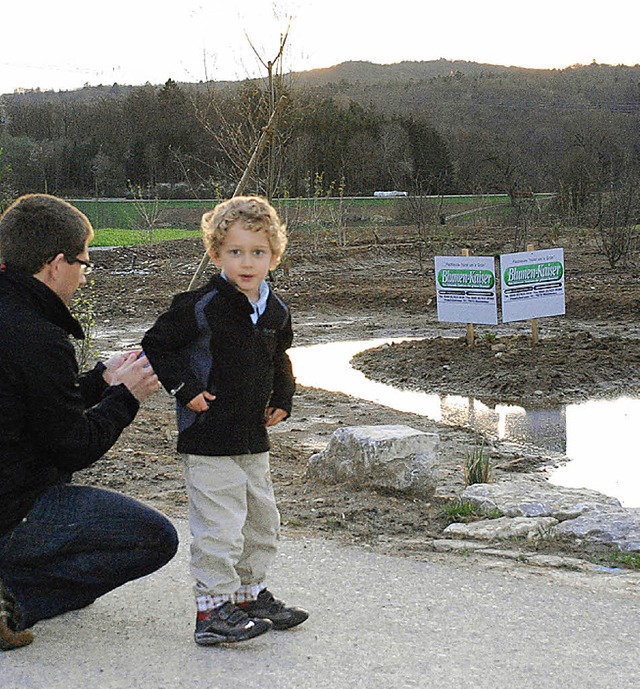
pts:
pixel 477 467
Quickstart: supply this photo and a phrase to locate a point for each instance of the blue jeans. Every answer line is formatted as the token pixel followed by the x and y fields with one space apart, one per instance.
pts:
pixel 78 543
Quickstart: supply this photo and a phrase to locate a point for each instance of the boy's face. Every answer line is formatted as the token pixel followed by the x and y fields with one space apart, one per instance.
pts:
pixel 246 258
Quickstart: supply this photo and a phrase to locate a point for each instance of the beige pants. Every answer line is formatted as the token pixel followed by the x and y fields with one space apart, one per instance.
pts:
pixel 234 521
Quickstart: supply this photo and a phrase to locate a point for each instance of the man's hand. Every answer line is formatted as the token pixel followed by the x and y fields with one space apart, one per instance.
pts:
pixel 200 403
pixel 137 375
pixel 114 362
pixel 273 416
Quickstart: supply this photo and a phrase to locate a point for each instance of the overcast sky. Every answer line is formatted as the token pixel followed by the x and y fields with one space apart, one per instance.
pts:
pixel 65 44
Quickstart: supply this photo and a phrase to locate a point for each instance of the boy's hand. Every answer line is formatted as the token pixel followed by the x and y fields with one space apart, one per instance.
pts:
pixel 200 403
pixel 273 416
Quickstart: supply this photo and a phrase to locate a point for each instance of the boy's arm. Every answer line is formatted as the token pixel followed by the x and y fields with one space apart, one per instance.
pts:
pixel 274 416
pixel 284 384
pixel 166 345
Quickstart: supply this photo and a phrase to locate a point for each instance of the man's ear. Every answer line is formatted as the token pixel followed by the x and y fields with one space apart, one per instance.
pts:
pixel 50 268
pixel 57 260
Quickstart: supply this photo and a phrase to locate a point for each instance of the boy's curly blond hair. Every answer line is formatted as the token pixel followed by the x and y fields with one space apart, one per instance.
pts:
pixel 254 212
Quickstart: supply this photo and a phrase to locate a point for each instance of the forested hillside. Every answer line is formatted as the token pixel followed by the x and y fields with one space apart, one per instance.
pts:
pixel 424 127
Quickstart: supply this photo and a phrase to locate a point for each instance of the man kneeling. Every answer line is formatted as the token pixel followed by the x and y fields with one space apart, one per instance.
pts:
pixel 61 545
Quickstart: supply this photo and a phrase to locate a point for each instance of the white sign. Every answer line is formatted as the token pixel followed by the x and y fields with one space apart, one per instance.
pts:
pixel 466 289
pixel 532 284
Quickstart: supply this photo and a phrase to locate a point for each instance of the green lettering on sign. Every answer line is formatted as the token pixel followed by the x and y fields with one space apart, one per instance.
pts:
pixel 465 278
pixel 534 273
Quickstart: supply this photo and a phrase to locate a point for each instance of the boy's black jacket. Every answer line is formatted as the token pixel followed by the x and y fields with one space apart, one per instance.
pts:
pixel 52 421
pixel 206 340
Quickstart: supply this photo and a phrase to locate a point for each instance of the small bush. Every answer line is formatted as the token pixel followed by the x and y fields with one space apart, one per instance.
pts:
pixel 83 309
pixel 477 467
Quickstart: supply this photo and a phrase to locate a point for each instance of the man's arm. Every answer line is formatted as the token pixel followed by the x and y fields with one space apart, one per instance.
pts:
pixel 92 385
pixel 61 428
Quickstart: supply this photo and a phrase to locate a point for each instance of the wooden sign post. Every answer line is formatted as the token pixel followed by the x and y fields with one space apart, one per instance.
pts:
pixel 535 331
pixel 470 334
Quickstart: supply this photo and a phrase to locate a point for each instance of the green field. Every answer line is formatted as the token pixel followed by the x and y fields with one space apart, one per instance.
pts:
pixel 118 221
pixel 105 213
pixel 110 236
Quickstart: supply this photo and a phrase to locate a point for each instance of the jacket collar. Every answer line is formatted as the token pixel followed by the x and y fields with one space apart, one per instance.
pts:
pixel 232 294
pixel 43 298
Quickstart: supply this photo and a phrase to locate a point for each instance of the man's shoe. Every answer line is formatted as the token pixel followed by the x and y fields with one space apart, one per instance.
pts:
pixel 227 624
pixel 9 619
pixel 270 608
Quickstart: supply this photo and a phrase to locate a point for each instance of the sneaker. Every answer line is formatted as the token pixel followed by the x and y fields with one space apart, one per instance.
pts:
pixel 270 608
pixel 9 618
pixel 227 624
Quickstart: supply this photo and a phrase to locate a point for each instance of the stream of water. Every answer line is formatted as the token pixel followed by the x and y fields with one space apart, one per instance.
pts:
pixel 597 436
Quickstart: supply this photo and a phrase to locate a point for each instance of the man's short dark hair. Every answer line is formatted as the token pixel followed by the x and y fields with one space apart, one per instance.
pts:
pixel 37 227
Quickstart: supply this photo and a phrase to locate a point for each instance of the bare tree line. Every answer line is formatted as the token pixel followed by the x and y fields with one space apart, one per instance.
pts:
pixel 455 133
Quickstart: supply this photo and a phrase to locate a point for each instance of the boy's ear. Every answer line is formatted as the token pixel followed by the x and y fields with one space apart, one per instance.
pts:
pixel 275 260
pixel 214 257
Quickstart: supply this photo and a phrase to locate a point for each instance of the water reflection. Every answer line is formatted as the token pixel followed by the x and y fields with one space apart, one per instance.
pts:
pixel 602 444
pixel 596 435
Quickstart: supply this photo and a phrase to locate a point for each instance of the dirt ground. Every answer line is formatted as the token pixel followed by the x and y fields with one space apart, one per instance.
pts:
pixel 379 285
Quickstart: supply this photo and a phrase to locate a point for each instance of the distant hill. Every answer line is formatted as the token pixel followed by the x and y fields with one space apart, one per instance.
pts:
pixel 493 125
pixel 443 89
pixel 372 73
pixel 459 94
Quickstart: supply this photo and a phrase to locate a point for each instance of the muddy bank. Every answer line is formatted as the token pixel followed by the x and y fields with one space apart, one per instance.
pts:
pixel 560 369
pixel 364 290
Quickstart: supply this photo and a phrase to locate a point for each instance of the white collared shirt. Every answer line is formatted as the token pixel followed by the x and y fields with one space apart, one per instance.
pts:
pixel 257 306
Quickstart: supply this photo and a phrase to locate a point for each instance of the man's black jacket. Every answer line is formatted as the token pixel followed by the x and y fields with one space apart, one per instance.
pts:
pixel 206 340
pixel 52 421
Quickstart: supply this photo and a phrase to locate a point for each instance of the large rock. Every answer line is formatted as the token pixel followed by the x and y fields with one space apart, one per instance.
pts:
pixel 530 496
pixel 534 508
pixel 619 527
pixel 503 528
pixel 390 457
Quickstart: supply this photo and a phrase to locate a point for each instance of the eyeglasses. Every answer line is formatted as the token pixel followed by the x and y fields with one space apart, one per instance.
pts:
pixel 87 266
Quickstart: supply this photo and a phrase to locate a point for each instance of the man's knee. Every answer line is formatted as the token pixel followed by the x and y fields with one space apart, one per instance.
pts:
pixel 169 539
pixel 148 531
pixel 157 536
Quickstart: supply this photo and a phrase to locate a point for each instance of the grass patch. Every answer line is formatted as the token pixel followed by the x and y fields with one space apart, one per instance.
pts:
pixel 477 467
pixel 628 560
pixel 110 236
pixel 465 511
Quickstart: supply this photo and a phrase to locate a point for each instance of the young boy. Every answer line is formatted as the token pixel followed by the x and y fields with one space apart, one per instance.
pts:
pixel 221 351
